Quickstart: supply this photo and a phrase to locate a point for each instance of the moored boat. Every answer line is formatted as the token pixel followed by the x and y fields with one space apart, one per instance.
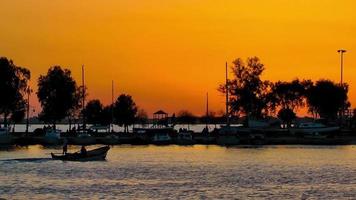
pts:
pixel 92 155
pixel 161 139
pixel 52 136
pixel 185 138
pixel 5 136
pixel 313 128
pixel 83 138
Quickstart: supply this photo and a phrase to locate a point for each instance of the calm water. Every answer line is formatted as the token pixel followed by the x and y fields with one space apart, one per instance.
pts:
pixel 175 172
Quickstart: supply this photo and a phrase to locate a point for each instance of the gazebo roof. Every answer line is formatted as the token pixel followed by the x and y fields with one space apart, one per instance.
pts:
pixel 160 112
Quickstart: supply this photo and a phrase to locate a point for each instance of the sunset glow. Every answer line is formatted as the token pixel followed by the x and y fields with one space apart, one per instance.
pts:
pixel 168 54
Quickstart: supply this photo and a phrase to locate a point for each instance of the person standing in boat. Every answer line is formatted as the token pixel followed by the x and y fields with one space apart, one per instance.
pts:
pixel 83 151
pixel 65 146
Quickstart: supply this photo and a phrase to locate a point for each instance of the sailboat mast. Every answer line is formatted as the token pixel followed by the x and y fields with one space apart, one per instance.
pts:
pixel 207 109
pixel 83 98
pixel 112 105
pixel 227 97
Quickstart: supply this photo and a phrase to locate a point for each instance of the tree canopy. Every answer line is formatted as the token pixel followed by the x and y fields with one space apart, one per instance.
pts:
pixel 14 84
pixel 93 112
pixel 58 94
pixel 125 111
pixel 248 93
pixel 327 98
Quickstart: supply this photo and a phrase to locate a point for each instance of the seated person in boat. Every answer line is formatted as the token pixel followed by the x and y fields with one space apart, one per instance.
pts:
pixel 83 151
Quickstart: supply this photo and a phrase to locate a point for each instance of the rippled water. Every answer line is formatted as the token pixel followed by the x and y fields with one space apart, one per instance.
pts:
pixel 176 172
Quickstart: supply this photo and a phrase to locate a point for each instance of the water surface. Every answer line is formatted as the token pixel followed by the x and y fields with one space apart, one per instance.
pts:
pixel 178 172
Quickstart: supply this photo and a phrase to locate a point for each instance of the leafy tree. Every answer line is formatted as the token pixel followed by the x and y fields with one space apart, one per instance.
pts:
pixel 327 98
pixel 93 112
pixel 125 111
pixel 58 94
pixel 13 84
pixel 107 115
pixel 289 95
pixel 248 93
pixel 287 115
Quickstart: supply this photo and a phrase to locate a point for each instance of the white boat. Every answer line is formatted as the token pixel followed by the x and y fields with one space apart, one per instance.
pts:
pixel 161 138
pixel 52 136
pixel 313 128
pixel 5 136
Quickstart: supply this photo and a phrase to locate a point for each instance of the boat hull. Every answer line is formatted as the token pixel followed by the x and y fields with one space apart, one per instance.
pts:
pixel 5 139
pixel 93 155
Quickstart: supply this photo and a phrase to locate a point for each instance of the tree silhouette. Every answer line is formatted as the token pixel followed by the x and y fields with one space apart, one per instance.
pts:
pixel 289 95
pixel 19 113
pixel 93 112
pixel 248 93
pixel 13 85
pixel 327 98
pixel 287 115
pixel 125 111
pixel 58 94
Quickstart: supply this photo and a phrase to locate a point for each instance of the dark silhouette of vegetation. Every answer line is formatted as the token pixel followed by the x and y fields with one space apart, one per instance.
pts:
pixel 94 111
pixel 287 115
pixel 289 95
pixel 13 86
pixel 248 93
pixel 106 115
pixel 253 97
pixel 327 98
pixel 125 111
pixel 58 94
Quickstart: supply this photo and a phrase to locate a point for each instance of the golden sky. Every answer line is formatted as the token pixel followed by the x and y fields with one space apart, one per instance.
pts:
pixel 168 54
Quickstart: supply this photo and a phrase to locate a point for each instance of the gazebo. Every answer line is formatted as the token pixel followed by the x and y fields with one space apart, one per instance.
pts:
pixel 160 118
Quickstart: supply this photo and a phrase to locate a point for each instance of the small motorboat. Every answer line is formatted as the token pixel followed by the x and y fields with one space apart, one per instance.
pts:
pixel 92 155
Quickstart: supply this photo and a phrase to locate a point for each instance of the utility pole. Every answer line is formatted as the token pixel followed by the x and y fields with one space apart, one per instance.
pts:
pixel 341 52
pixel 112 106
pixel 83 99
pixel 207 109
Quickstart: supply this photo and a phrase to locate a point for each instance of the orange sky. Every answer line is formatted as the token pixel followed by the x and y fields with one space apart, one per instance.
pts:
pixel 168 54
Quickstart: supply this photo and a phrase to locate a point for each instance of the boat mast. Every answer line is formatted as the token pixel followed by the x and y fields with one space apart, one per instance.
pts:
pixel 83 99
pixel 112 105
pixel 28 108
pixel 207 109
pixel 227 97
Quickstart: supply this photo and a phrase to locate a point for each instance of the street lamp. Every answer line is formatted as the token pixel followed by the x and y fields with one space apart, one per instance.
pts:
pixel 341 52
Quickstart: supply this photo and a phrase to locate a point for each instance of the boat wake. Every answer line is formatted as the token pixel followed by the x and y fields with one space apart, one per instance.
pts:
pixel 38 160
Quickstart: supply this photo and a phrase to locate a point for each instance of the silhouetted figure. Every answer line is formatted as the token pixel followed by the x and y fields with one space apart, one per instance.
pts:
pixel 83 151
pixel 65 146
pixel 205 130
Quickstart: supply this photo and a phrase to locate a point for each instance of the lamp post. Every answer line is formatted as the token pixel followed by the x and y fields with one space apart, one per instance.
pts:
pixel 341 52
